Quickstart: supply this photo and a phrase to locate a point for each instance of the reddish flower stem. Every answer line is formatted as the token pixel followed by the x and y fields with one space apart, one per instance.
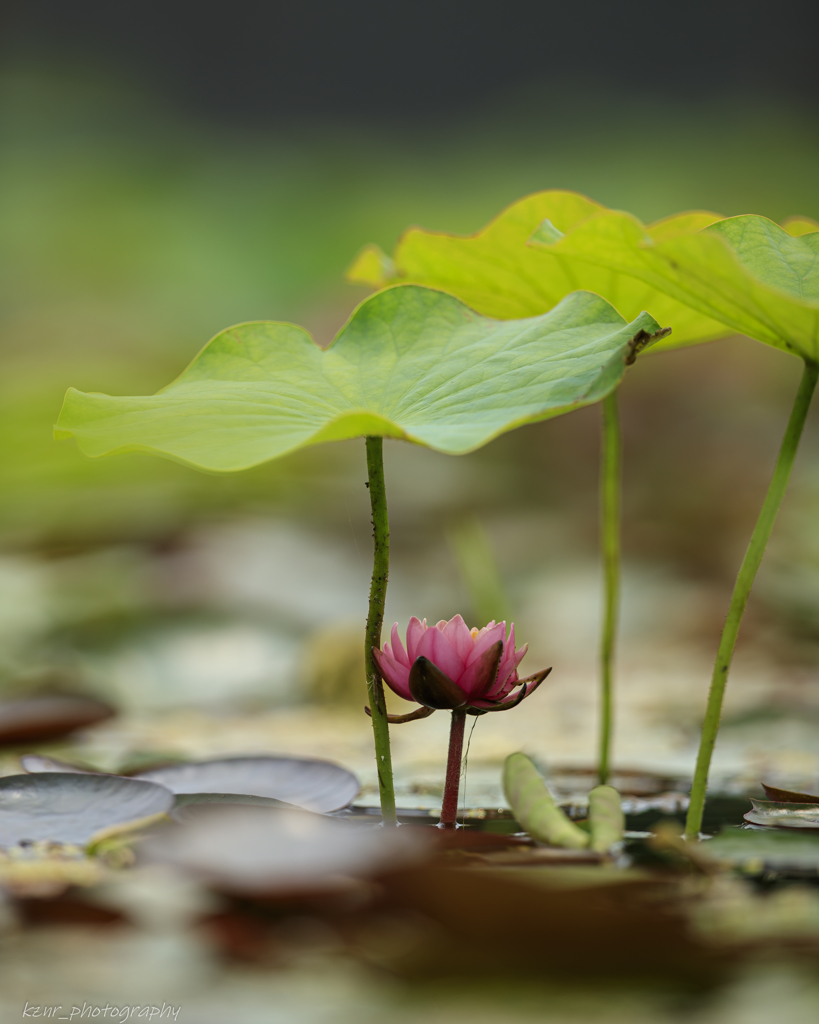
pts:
pixel 449 810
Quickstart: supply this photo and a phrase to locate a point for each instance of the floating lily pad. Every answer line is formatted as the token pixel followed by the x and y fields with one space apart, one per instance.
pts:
pixel 270 850
pixel 411 363
pixel 781 814
pixel 67 808
pixel 497 273
pixel 315 785
pixel 34 763
pixel 188 804
pixel 760 849
pixel 35 719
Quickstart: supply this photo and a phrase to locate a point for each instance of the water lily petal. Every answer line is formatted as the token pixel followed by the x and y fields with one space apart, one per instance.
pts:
pixel 435 646
pixel 487 636
pixel 482 674
pixel 415 630
pixel 507 670
pixel 458 634
pixel 395 675
pixel 398 651
pixel 507 662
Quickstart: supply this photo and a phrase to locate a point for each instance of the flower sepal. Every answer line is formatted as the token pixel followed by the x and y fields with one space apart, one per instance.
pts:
pixel 527 686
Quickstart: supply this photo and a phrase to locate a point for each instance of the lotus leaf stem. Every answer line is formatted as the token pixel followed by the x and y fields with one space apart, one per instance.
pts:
pixel 742 590
pixel 610 515
pixel 375 621
pixel 449 810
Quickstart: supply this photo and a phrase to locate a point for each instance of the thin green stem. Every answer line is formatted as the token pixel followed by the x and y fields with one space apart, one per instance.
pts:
pixel 610 514
pixel 742 590
pixel 375 621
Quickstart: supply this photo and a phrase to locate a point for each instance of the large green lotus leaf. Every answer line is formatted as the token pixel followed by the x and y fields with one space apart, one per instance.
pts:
pixel 411 362
pixel 498 274
pixel 747 272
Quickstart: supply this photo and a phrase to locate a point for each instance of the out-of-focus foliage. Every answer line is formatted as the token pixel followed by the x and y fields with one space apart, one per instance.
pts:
pixel 480 571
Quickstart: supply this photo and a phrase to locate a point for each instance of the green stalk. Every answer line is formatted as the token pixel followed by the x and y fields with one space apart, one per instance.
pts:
pixel 610 499
pixel 375 621
pixel 742 590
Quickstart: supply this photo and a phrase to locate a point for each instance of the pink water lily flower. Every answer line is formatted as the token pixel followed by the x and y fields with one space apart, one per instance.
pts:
pixel 451 666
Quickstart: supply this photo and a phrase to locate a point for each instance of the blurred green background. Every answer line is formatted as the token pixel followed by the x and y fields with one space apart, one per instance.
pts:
pixel 132 229
pixel 131 234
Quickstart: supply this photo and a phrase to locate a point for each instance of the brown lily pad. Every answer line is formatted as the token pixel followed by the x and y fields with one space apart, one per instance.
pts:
pixel 473 839
pixel 534 929
pixel 789 796
pixel 37 719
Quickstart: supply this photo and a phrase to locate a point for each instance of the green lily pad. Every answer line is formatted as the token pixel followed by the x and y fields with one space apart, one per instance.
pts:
pixel 745 272
pixel 762 849
pixel 495 272
pixel 64 808
pixel 411 363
